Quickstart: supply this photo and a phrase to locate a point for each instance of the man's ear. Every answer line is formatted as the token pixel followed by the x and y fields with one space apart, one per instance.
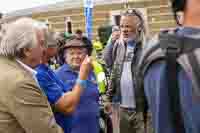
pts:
pixel 27 52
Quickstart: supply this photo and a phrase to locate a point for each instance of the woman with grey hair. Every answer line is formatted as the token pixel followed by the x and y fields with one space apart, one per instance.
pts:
pixel 23 105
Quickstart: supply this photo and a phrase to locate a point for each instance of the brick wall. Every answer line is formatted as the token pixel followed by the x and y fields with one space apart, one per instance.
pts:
pixel 158 15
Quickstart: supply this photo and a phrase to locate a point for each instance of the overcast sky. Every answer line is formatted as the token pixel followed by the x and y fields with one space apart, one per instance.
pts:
pixel 12 5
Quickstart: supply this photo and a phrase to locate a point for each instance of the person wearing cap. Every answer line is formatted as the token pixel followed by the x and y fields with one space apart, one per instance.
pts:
pixel 86 116
pixel 63 98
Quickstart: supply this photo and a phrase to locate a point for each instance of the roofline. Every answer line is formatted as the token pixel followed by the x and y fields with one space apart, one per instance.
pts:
pixel 56 7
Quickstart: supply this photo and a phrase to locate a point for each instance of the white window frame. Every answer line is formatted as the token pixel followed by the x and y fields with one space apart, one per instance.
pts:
pixel 112 16
pixel 68 19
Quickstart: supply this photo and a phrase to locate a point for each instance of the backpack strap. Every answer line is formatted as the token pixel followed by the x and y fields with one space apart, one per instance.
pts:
pixel 174 46
pixel 172 49
pixel 182 45
pixel 187 46
pixel 169 47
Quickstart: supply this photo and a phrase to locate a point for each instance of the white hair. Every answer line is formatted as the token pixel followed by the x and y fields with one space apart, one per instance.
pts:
pixel 141 29
pixel 19 35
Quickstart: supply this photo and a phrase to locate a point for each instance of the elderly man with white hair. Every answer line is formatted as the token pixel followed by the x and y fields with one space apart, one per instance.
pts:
pixel 23 106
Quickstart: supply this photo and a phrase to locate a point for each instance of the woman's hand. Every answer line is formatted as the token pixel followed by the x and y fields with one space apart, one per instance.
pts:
pixel 85 68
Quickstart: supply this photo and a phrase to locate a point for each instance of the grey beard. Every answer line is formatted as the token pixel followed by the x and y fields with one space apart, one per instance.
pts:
pixel 133 38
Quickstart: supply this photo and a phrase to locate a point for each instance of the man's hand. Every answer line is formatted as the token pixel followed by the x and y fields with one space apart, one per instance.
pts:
pixel 85 68
pixel 108 107
pixel 115 36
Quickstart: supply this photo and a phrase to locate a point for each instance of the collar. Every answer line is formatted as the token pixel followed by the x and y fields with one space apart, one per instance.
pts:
pixel 67 68
pixel 29 69
pixel 43 66
pixel 131 43
pixel 189 32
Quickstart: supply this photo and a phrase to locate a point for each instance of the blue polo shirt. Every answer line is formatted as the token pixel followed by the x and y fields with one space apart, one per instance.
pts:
pixel 157 95
pixel 54 88
pixel 86 116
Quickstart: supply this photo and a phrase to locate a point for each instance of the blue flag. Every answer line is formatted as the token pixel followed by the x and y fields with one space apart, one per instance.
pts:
pixel 88 20
pixel 88 6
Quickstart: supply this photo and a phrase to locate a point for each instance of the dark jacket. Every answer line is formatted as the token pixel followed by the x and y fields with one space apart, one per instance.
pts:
pixel 107 54
pixel 114 90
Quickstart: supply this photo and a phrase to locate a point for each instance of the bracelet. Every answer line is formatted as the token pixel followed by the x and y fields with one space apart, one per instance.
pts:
pixel 82 83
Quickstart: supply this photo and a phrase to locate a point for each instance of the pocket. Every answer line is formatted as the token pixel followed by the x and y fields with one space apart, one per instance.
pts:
pixel 136 120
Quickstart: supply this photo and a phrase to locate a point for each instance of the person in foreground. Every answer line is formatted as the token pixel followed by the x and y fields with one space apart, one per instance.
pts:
pixel 63 101
pixel 171 69
pixel 24 107
pixel 85 119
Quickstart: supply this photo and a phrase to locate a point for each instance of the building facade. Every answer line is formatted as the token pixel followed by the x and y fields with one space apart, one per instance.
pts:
pixel 61 15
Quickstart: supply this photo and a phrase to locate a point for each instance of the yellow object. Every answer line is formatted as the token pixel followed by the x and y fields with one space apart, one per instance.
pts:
pixel 100 76
pixel 97 45
pixel 54 66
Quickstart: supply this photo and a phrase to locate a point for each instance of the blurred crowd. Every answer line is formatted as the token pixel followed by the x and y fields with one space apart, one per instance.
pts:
pixel 54 82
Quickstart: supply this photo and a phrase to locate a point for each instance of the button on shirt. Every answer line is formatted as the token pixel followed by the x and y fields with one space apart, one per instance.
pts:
pixel 157 95
pixel 54 88
pixel 127 89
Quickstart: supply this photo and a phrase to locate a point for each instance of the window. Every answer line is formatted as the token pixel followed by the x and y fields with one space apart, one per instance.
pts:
pixel 1 15
pixel 68 25
pixel 115 17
